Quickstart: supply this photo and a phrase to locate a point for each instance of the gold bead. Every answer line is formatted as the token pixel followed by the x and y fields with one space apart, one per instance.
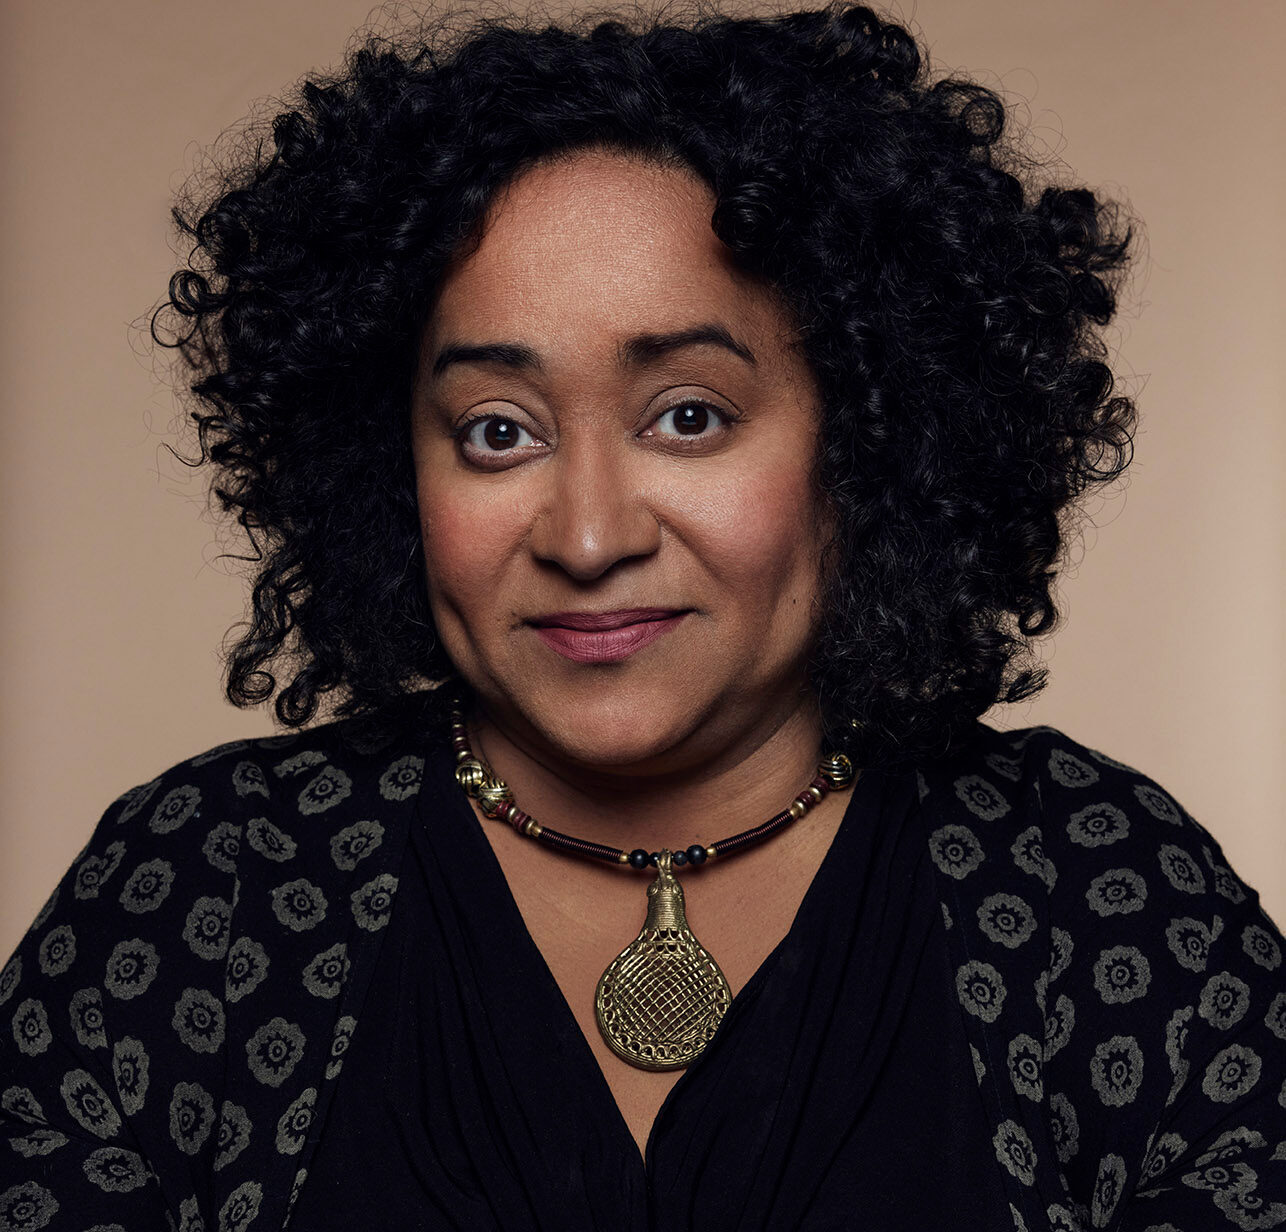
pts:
pixel 470 775
pixel 711 852
pixel 493 795
pixel 837 770
pixel 815 793
pixel 797 809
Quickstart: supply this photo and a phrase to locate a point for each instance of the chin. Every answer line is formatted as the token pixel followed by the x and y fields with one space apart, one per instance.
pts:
pixel 606 725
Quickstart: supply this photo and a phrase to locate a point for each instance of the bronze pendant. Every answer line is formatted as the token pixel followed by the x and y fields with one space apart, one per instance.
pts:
pixel 662 997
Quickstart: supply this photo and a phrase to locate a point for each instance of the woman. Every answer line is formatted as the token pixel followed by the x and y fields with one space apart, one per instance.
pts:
pixel 694 409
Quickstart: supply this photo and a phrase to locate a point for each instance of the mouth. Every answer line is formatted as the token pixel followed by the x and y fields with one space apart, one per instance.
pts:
pixel 604 637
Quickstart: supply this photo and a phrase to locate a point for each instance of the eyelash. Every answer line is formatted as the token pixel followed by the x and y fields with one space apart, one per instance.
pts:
pixel 726 417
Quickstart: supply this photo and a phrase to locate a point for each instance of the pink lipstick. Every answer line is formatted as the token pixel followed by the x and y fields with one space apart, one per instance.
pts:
pixel 604 637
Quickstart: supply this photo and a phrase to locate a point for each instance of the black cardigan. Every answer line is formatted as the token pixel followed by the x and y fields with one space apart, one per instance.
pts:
pixel 180 1008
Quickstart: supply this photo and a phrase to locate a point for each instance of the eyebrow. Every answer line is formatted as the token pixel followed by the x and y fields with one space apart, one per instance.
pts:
pixel 634 352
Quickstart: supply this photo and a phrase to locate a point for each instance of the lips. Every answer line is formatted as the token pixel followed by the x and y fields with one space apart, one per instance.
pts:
pixel 604 637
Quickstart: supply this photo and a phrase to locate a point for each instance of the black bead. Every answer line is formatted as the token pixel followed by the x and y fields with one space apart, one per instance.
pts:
pixel 638 858
pixel 696 854
pixel 654 859
pixel 679 859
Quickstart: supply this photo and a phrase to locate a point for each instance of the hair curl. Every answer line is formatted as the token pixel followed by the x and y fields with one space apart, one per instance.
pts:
pixel 947 301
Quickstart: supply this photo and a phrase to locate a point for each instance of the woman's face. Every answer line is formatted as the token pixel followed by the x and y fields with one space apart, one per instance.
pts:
pixel 577 459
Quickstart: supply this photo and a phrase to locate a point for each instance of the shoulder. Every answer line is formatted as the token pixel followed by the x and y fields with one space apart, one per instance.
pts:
pixel 156 884
pixel 1088 809
pixel 1114 916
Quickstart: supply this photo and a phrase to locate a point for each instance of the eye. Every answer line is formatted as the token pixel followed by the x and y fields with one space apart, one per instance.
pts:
pixel 492 434
pixel 692 418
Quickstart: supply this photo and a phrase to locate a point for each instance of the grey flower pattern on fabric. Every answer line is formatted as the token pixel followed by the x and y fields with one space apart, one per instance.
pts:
pixel 1162 1155
pixel 58 950
pixel 373 902
pixel 1028 851
pixel 1107 1189
pixel 222 846
pixel 38 1142
pixel 339 1045
pixel 1189 941
pixel 131 968
pixel 86 1013
pixel 1122 973
pixel 299 905
pixel 981 989
pixel 241 1207
pixel 148 886
pixel 1097 825
pixel 1069 770
pixel 248 779
pixel 10 977
pixel 270 841
pixel 1275 1019
pixel 1158 803
pixel 274 1051
pixel 247 968
pixel 1116 1070
pixel 292 1128
pixel 206 928
pixel 401 780
pixel 325 975
pixel 176 808
pixel 1014 1149
pixel 1232 1072
pixel 1006 919
pixel 355 842
pixel 31 1027
pixel 27 1206
pixel 1064 1126
pixel 199 1020
pixel 88 1104
pixel 130 1070
pixel 981 798
pixel 1181 870
pixel 191 1116
pixel 1118 891
pixel 955 850
pixel 115 1170
pixel 234 1134
pixel 21 1103
pixel 1061 948
pixel 1260 946
pixel 329 788
pixel 1058 1025
pixel 1026 1058
pixel 1224 1000
pixel 307 760
pixel 1120 989
pixel 94 870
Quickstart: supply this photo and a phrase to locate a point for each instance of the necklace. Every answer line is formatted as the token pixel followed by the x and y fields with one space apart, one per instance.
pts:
pixel 662 997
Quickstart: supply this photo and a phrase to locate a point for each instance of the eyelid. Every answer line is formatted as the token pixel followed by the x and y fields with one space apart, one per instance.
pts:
pixel 461 431
pixel 728 416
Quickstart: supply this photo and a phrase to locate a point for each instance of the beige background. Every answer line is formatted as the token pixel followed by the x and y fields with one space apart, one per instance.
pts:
pixel 114 605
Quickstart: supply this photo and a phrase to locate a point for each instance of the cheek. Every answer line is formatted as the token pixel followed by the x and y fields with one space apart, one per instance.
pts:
pixel 758 533
pixel 467 534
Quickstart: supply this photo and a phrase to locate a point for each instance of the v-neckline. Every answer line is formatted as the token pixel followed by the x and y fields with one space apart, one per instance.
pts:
pixel 584 1059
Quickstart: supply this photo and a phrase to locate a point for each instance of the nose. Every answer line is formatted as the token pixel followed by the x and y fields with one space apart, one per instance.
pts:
pixel 594 514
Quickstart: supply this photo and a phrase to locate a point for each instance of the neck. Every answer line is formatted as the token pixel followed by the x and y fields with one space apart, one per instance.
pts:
pixel 731 784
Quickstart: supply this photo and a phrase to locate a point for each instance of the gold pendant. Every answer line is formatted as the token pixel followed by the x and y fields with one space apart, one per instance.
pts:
pixel 662 997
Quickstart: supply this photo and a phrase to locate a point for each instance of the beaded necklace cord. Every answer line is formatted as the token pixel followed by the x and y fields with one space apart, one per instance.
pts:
pixel 661 999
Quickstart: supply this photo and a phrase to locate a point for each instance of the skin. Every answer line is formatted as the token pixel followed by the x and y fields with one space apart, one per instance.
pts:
pixel 601 502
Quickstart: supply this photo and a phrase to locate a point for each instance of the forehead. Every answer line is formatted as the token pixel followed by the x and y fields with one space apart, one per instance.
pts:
pixel 599 243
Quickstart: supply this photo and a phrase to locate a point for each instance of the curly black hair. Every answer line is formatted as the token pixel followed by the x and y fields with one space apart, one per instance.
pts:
pixel 947 292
